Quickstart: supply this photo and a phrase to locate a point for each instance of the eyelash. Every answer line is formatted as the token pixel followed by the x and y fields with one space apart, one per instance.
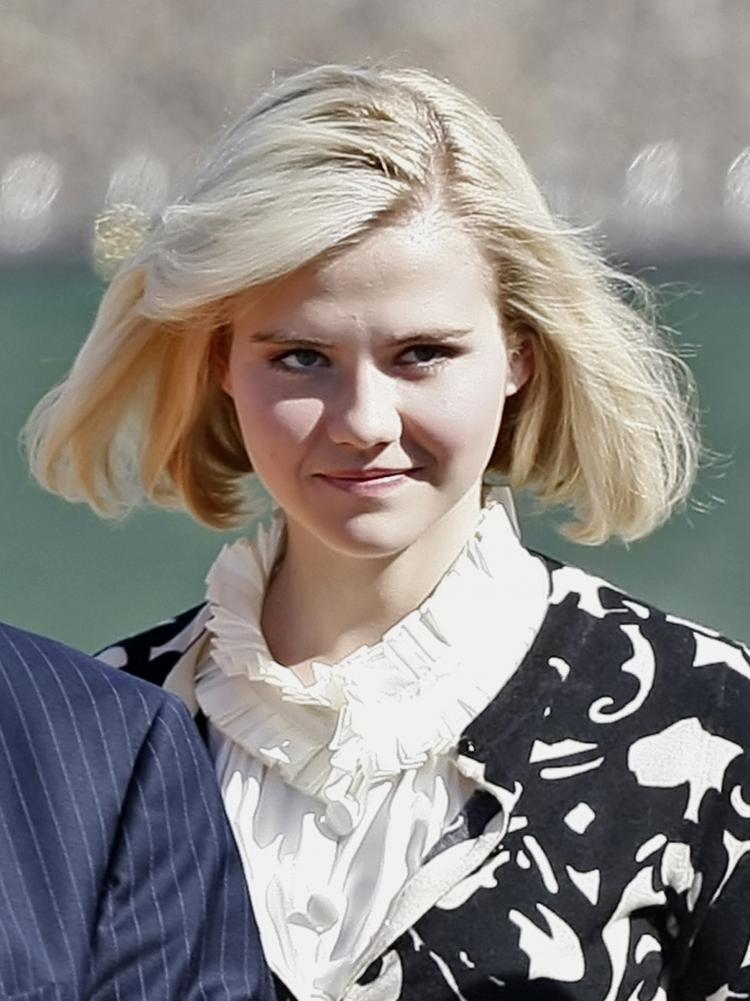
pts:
pixel 444 354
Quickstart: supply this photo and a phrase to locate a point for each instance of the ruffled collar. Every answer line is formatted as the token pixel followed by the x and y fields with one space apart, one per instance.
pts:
pixel 387 707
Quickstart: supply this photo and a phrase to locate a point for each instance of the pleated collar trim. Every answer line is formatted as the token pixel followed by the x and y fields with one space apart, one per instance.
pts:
pixel 385 707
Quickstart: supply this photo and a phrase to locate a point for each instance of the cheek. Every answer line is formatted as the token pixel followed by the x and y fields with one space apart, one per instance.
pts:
pixel 465 415
pixel 272 426
pixel 295 420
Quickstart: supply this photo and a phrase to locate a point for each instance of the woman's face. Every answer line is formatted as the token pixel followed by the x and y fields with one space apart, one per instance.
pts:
pixel 370 388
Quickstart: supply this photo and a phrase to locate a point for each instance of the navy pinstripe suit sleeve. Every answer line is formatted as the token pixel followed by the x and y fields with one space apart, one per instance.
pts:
pixel 172 922
pixel 119 877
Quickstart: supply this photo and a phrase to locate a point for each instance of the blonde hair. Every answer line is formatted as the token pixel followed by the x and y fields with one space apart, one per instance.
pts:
pixel 605 425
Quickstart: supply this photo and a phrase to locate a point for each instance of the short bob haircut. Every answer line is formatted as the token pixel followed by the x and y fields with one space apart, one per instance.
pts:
pixel 606 424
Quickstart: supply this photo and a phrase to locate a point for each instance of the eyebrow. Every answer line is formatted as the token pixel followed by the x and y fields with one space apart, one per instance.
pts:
pixel 424 333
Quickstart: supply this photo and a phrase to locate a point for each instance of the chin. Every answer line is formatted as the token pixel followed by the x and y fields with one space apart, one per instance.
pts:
pixel 371 535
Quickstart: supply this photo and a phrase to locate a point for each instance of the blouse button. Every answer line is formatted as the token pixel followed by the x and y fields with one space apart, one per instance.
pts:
pixel 339 819
pixel 467 746
pixel 322 912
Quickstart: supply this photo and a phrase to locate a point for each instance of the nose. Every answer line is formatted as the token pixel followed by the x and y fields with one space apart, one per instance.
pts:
pixel 364 410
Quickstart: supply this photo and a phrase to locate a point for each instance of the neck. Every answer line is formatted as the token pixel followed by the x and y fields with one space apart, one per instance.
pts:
pixel 322 605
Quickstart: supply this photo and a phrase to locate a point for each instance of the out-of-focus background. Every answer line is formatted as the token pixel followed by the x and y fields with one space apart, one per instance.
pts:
pixel 635 117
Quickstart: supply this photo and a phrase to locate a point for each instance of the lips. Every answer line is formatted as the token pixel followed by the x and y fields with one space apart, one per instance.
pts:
pixel 366 474
pixel 368 483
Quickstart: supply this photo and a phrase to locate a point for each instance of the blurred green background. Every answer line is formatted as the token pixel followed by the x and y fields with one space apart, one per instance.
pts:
pixel 87 581
pixel 632 116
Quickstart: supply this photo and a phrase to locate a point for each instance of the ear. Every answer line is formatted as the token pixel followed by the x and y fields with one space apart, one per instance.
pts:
pixel 225 380
pixel 220 358
pixel 520 365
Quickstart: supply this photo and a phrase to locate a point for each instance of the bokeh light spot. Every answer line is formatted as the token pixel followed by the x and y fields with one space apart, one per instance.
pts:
pixel 737 185
pixel 29 186
pixel 140 179
pixel 654 178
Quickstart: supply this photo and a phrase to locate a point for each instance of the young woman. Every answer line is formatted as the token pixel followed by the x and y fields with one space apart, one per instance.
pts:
pixel 454 768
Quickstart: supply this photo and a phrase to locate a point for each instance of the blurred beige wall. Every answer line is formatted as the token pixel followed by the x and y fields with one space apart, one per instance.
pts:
pixel 634 114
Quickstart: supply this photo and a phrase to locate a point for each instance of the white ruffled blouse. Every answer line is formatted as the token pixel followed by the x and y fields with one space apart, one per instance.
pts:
pixel 336 790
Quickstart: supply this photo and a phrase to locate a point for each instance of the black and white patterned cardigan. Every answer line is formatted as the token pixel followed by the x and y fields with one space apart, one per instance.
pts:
pixel 606 854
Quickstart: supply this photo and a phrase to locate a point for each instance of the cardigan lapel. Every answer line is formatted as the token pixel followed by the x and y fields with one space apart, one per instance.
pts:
pixel 181 679
pixel 445 869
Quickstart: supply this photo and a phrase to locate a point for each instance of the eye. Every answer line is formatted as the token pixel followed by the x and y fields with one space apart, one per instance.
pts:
pixel 426 355
pixel 300 360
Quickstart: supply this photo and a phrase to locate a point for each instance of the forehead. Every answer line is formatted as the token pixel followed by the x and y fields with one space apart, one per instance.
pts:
pixel 421 271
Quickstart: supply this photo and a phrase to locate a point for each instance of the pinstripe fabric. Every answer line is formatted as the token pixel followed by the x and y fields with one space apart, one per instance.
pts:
pixel 118 875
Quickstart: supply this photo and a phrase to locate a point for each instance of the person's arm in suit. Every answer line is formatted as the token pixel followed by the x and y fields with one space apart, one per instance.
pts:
pixel 175 921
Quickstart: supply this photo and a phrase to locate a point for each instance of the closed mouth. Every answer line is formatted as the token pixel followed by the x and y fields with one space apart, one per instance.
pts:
pixel 369 474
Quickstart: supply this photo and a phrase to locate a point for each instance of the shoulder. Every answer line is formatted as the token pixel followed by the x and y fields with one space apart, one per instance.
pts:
pixel 606 608
pixel 610 638
pixel 152 653
pixel 39 663
pixel 52 694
